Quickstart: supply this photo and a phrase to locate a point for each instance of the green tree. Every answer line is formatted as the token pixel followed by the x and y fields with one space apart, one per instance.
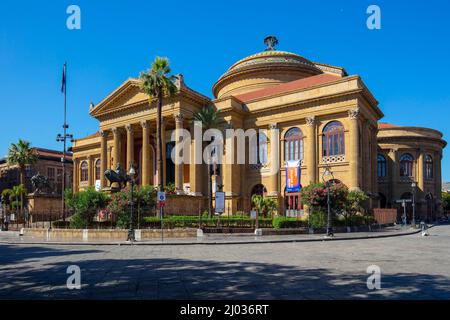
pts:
pixel 263 205
pixel 14 195
pixel 21 154
pixel 85 205
pixel 315 196
pixel 446 201
pixel 208 116
pixel 354 205
pixel 144 199
pixel 157 83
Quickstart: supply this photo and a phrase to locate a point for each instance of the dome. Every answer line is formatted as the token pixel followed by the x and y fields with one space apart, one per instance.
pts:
pixel 263 69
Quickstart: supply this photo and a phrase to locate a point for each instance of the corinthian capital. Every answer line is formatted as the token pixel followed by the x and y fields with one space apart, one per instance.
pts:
pixel 115 131
pixel 273 126
pixel 103 133
pixel 129 128
pixel 310 121
pixel 354 113
pixel 145 124
pixel 178 117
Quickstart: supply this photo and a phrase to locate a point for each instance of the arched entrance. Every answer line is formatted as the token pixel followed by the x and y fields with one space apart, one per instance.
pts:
pixel 383 200
pixel 170 166
pixel 259 189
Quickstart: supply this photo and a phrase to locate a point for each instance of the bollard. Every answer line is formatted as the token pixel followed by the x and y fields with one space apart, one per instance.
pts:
pixel 424 228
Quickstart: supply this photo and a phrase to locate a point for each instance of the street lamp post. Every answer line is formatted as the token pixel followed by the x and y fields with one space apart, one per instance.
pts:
pixel 413 187
pixel 131 176
pixel 327 177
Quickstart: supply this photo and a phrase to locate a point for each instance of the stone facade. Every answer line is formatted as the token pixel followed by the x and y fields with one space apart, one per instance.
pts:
pixel 410 155
pixel 48 164
pixel 334 117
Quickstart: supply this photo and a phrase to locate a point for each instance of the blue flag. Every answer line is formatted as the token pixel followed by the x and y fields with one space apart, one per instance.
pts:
pixel 63 81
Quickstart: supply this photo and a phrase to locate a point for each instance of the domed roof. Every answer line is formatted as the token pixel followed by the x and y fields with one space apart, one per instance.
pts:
pixel 264 69
pixel 271 57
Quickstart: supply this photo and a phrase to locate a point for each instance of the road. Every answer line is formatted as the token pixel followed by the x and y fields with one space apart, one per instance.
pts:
pixel 412 267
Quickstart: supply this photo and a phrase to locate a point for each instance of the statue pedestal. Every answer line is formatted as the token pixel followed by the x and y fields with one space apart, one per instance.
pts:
pixel 44 204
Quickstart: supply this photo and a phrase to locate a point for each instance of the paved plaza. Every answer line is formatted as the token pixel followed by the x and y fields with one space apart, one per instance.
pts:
pixel 412 267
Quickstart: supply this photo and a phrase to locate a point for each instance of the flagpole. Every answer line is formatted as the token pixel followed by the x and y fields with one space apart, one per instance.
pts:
pixel 64 148
pixel 63 138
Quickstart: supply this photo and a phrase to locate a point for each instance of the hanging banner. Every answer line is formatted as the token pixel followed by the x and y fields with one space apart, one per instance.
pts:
pixel 293 176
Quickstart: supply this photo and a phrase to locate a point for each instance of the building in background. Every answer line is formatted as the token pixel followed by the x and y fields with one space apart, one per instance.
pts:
pixel 325 117
pixel 48 164
pixel 446 187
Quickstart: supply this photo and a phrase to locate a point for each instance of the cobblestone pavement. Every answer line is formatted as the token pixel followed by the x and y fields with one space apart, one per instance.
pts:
pixel 412 267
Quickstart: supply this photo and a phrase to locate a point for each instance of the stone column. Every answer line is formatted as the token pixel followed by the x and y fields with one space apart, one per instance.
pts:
pixel 163 160
pixel 179 164
pixel 274 160
pixel 116 151
pixel 420 172
pixel 90 160
pixel 393 175
pixel 438 179
pixel 103 157
pixel 374 158
pixel 130 146
pixel 310 146
pixel 145 180
pixel 76 174
pixel 353 151
pixel 196 174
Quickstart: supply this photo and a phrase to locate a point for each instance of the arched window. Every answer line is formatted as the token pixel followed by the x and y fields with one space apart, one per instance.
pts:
pixel 293 144
pixel 428 167
pixel 406 165
pixel 97 170
pixel 381 167
pixel 333 139
pixel 84 168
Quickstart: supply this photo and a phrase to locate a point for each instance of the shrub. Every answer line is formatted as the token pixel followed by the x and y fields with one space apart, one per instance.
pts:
pixel 318 219
pixel 315 196
pixel 171 222
pixel 285 222
pixel 85 205
pixel 446 201
pixel 144 199
pixel 60 224
pixel 265 206
pixel 78 222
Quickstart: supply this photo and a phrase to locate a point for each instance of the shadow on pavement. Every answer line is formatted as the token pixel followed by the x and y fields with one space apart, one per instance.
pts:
pixel 192 279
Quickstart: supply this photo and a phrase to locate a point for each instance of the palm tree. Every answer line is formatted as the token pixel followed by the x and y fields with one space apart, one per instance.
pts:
pixel 14 195
pixel 21 154
pixel 209 117
pixel 157 83
pixel 259 203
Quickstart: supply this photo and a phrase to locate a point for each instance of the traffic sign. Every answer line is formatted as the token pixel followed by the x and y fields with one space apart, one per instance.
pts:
pixel 161 198
pixel 403 200
pixel 220 202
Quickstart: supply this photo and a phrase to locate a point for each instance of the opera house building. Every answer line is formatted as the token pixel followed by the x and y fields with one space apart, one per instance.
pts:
pixel 324 116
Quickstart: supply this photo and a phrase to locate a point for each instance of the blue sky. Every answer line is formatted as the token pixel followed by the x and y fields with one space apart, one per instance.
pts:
pixel 405 64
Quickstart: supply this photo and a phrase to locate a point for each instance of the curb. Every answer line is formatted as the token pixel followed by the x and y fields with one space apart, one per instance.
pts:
pixel 124 243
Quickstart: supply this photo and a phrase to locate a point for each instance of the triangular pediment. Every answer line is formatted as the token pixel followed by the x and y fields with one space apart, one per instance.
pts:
pixel 127 94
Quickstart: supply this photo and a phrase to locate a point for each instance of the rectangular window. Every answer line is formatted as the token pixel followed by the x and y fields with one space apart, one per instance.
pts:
pixel 51 174
pixel 59 175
